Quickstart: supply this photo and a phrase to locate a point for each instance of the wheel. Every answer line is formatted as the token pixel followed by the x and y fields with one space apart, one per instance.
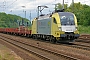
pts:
pixel 33 36
pixel 52 40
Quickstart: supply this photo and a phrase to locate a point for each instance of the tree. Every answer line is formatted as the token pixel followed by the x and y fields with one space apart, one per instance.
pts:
pixel 8 20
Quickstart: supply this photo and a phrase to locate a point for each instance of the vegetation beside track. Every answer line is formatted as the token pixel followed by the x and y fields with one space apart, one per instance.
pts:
pixel 84 29
pixel 12 21
pixel 7 54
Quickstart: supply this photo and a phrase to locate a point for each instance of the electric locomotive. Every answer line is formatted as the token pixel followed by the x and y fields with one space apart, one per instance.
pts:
pixel 58 26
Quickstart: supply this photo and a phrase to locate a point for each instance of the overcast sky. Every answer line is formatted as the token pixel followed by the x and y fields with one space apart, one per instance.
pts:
pixel 15 6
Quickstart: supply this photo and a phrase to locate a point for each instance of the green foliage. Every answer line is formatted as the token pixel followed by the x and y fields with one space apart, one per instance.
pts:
pixel 12 21
pixel 0 56
pixel 58 6
pixel 86 17
pixel 84 29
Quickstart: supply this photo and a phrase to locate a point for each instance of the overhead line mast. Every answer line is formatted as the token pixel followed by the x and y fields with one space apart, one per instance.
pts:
pixel 73 6
pixel 63 4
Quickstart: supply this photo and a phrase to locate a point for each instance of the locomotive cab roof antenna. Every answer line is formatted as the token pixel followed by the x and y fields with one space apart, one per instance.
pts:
pixel 40 9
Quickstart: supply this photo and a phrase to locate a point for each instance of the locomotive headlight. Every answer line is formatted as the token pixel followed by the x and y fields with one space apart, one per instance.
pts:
pixel 76 28
pixel 60 28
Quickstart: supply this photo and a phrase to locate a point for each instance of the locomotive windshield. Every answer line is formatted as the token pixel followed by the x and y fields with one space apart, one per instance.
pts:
pixel 66 18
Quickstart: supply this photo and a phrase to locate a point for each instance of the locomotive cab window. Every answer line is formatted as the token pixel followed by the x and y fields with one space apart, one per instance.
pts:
pixel 67 19
pixel 54 20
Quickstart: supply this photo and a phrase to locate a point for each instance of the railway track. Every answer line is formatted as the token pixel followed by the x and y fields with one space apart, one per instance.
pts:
pixel 78 45
pixel 66 54
pixel 83 40
pixel 44 53
pixel 84 37
pixel 82 43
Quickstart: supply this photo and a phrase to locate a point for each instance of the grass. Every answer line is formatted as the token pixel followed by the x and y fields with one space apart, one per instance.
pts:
pixel 0 57
pixel 84 29
pixel 7 54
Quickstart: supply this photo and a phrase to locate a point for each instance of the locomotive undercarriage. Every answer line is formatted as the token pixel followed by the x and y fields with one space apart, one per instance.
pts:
pixel 67 37
pixel 44 37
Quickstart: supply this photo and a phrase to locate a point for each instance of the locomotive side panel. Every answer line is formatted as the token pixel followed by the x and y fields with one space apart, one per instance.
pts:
pixel 44 26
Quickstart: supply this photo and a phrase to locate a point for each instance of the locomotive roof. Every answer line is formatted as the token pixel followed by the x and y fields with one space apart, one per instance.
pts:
pixel 66 13
pixel 49 15
pixel 44 17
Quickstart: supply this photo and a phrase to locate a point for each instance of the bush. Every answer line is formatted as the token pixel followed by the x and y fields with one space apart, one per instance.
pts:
pixel 84 29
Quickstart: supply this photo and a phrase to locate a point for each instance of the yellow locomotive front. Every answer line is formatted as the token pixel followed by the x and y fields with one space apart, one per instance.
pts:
pixel 64 27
